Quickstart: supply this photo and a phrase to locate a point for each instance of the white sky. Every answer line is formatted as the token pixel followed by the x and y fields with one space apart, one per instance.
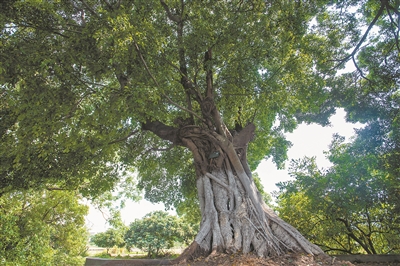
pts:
pixel 307 140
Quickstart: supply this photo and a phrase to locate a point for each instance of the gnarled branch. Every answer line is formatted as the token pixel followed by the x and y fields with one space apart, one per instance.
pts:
pixel 364 37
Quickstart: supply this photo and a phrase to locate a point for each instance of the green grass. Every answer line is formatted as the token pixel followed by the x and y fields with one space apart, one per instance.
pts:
pixel 135 255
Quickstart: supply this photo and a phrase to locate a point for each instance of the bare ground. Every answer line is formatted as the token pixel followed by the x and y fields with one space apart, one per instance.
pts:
pixel 288 260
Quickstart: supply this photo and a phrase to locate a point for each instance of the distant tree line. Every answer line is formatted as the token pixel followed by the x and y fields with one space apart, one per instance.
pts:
pixel 154 234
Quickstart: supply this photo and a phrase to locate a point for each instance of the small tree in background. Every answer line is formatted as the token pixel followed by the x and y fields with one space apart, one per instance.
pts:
pixel 157 231
pixel 108 239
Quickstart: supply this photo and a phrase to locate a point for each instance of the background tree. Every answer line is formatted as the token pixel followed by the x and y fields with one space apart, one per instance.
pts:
pixel 354 204
pixel 345 209
pixel 156 232
pixel 187 231
pixel 112 237
pixel 42 228
pixel 370 94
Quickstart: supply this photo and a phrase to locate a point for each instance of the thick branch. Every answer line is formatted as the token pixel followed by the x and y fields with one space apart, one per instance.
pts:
pixel 208 69
pixel 181 51
pixel 171 16
pixel 202 169
pixel 353 53
pixel 242 139
pixel 187 83
pixel 219 124
pixel 182 65
pixel 163 131
pixel 240 142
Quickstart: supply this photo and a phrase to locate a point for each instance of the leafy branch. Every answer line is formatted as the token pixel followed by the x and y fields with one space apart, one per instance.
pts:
pixel 158 85
pixel 364 37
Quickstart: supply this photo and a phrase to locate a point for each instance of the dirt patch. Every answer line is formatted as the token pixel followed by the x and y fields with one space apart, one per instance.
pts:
pixel 377 264
pixel 288 259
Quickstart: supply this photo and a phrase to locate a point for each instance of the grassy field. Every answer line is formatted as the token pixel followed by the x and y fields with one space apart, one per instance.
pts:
pixel 124 253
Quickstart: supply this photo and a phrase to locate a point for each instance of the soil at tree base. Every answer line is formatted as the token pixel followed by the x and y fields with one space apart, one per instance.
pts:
pixel 287 259
pixel 243 260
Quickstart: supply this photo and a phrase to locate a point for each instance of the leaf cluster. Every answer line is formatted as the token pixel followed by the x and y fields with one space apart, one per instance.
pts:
pixel 42 228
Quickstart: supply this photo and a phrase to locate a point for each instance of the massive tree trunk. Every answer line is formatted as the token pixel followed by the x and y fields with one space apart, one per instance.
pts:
pixel 234 216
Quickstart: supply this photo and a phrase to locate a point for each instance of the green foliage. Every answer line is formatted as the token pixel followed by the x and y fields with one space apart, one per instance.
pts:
pixel 78 79
pixel 158 231
pixel 187 230
pixel 348 208
pixel 42 228
pixel 109 239
pixel 104 255
pixel 353 206
pixel 74 90
pixel 265 195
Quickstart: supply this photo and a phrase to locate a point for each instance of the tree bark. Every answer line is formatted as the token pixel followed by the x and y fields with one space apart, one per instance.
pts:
pixel 234 216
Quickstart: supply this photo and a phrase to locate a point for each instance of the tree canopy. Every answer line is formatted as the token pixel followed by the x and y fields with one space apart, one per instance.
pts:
pixel 189 94
pixel 79 78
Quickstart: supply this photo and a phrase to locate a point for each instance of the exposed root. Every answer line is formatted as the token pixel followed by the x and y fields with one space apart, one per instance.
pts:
pixel 232 221
pixel 234 216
